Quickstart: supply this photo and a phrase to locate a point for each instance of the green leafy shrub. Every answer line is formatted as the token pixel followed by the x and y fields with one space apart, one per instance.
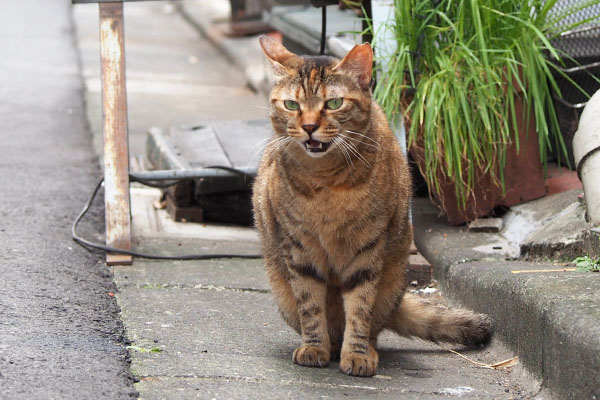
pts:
pixel 587 264
pixel 457 73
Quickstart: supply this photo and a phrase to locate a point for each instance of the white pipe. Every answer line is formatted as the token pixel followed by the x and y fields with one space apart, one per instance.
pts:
pixel 586 150
pixel 385 45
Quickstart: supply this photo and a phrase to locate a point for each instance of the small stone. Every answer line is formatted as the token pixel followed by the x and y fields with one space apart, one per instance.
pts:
pixel 486 225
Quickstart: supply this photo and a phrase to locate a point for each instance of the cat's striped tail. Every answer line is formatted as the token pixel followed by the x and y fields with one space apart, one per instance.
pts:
pixel 416 317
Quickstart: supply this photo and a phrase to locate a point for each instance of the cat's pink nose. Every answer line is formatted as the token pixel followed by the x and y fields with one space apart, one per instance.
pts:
pixel 310 128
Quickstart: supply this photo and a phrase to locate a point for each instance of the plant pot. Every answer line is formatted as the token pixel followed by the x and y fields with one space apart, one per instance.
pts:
pixel 523 178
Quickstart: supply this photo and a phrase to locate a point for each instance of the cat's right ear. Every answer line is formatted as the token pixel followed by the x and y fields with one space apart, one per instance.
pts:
pixel 276 54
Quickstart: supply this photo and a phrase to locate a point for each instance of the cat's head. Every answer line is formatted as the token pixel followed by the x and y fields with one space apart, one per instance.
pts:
pixel 320 102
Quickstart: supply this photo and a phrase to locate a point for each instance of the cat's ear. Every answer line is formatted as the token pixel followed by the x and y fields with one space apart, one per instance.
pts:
pixel 358 63
pixel 276 54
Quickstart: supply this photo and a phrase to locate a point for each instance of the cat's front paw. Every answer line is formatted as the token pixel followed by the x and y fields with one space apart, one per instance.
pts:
pixel 358 364
pixel 311 356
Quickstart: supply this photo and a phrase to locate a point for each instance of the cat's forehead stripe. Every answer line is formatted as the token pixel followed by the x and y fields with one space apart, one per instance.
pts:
pixel 312 72
pixel 311 80
pixel 314 81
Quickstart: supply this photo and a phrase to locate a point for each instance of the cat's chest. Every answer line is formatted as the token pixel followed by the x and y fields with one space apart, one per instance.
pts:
pixel 329 209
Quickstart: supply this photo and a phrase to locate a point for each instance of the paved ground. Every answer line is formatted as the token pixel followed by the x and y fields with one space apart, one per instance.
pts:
pixel 60 332
pixel 217 334
pixel 210 329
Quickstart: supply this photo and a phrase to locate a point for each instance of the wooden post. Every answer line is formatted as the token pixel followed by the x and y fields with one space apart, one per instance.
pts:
pixel 114 126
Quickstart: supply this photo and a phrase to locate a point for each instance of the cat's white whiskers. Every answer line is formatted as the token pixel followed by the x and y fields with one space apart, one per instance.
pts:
pixel 281 142
pixel 256 148
pixel 340 145
pixel 359 141
pixel 355 151
pixel 365 136
pixel 283 145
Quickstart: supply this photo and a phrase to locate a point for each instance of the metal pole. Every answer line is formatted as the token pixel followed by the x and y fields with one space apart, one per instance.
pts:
pixel 114 126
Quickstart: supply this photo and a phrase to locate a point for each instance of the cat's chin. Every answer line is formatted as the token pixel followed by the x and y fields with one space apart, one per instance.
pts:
pixel 316 155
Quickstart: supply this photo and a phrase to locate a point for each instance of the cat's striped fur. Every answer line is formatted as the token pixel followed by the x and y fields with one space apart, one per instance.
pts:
pixel 334 224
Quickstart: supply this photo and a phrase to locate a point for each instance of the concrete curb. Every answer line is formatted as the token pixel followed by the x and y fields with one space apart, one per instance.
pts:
pixel 550 319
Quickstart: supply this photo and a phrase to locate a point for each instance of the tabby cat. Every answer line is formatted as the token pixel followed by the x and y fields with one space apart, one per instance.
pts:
pixel 331 205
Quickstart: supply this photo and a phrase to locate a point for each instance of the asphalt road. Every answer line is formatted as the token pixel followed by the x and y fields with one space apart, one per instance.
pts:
pixel 60 333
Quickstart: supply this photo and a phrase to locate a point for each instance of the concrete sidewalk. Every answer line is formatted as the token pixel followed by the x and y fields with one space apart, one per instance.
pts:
pixel 210 329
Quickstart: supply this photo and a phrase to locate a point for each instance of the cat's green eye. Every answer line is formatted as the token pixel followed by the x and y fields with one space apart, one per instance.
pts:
pixel 334 104
pixel 291 105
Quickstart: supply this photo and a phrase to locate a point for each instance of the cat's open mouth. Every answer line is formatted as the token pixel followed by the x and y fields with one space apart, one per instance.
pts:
pixel 314 146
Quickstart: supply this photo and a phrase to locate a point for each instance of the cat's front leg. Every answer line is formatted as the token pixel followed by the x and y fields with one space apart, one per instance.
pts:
pixel 310 290
pixel 359 354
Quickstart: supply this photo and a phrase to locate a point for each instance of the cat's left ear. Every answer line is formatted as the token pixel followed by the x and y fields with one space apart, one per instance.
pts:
pixel 358 63
pixel 276 53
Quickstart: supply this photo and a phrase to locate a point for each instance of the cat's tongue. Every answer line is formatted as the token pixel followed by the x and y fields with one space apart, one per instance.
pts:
pixel 314 144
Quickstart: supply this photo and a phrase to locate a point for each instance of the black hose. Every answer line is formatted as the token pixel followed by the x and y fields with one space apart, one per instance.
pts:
pixel 99 246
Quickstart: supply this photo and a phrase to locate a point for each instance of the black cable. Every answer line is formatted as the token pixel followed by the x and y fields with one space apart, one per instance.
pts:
pixel 94 245
pixel 323 29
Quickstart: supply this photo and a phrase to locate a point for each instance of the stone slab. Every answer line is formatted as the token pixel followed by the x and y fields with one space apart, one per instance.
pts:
pixel 235 143
pixel 243 141
pixel 198 145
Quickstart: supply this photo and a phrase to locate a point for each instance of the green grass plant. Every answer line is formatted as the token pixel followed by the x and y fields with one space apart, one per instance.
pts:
pixel 587 264
pixel 456 76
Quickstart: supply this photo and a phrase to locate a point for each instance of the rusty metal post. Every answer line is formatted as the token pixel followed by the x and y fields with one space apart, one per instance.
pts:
pixel 114 126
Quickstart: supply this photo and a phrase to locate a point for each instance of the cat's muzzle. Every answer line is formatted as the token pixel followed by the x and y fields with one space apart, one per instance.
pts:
pixel 314 146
